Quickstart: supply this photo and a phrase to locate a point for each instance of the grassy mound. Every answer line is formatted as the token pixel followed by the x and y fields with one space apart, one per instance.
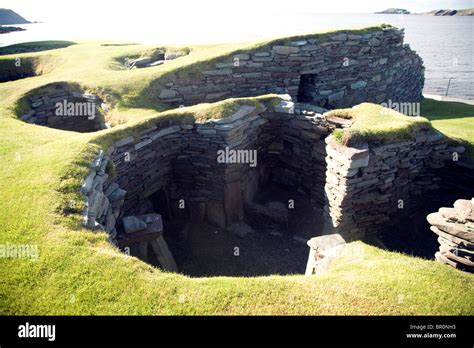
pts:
pixel 79 272
pixel 377 125
pixel 35 46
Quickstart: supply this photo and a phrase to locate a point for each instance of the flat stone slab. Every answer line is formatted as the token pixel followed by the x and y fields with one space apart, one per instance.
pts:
pixel 132 224
pixel 453 261
pixel 244 110
pixel 352 157
pixel 323 250
pixel 455 229
pixel 464 209
pixel 464 244
pixel 153 229
pixel 323 243
pixel 154 222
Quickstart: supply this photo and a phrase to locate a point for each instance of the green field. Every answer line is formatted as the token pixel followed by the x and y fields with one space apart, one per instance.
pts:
pixel 79 272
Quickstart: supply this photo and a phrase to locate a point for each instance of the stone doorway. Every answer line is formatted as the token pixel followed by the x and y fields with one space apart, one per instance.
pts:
pixel 306 90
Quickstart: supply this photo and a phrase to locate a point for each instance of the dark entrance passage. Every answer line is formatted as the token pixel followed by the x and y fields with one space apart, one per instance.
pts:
pixel 160 203
pixel 306 91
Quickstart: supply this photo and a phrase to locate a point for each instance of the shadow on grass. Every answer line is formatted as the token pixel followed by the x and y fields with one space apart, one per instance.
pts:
pixel 36 46
pixel 453 119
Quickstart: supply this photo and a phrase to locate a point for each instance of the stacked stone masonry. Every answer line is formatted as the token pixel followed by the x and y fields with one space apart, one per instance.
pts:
pixel 367 186
pixel 335 71
pixel 455 230
pixel 362 188
pixel 77 112
pixel 182 160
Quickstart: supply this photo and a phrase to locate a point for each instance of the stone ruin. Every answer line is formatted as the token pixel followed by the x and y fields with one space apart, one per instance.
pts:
pixel 67 110
pixel 455 230
pixel 337 70
pixel 159 58
pixel 358 188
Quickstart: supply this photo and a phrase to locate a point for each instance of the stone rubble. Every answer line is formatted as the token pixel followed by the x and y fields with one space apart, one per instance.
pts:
pixel 455 230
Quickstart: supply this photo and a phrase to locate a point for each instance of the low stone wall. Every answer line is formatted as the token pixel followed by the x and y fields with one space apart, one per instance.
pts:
pixel 366 186
pixel 66 110
pixel 332 71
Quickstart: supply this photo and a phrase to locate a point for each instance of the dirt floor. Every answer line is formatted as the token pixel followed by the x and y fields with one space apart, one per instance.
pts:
pixel 201 250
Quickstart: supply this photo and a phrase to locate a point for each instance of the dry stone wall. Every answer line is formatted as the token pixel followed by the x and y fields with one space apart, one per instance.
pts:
pixel 335 71
pixel 455 230
pixel 183 160
pixel 362 187
pixel 66 110
pixel 367 186
pixel 103 197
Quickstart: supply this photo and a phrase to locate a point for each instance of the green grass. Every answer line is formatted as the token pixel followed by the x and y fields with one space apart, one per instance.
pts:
pixel 455 120
pixel 35 46
pixel 79 272
pixel 377 125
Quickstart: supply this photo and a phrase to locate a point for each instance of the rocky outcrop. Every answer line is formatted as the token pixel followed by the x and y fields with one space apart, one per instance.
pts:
pixel 332 71
pixel 394 11
pixel 11 17
pixel 455 230
pixel 448 12
pixel 6 30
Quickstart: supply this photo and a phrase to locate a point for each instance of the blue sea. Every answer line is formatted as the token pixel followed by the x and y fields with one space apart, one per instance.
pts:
pixel 446 44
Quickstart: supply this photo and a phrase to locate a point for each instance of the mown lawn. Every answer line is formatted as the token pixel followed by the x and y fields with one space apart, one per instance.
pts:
pixel 79 272
pixel 455 120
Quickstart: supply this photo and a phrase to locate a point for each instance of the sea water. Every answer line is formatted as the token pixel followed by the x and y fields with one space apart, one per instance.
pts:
pixel 446 44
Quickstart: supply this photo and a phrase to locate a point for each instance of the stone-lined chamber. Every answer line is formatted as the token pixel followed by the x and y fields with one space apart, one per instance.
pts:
pixel 181 162
pixel 65 107
pixel 362 187
pixel 335 70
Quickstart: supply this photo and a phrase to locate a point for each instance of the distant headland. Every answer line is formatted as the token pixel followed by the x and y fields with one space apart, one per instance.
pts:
pixel 448 12
pixel 394 11
pixel 9 17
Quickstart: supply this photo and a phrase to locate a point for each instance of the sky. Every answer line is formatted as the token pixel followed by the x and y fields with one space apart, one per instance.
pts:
pixel 113 11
